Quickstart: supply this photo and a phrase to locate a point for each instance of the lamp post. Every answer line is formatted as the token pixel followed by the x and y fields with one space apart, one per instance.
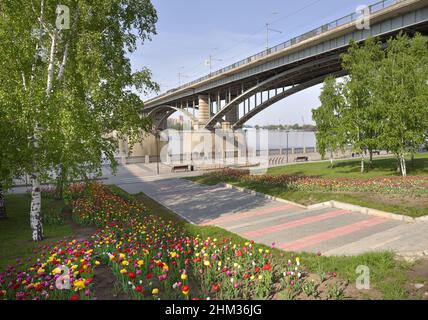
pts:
pixel 246 147
pixel 157 137
pixel 287 131
pixel 180 76
pixel 267 34
pixel 209 61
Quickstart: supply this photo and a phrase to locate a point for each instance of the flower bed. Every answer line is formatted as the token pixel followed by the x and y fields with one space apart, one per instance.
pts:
pixel 152 259
pixel 413 186
pixel 68 265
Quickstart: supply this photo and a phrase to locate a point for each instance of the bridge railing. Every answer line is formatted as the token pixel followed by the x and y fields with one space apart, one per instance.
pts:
pixel 374 8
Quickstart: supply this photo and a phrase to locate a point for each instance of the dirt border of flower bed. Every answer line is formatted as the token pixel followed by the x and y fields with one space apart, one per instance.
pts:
pixel 333 204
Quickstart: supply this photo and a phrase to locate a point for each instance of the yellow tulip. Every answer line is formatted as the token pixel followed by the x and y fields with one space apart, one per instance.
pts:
pixel 79 284
pixel 56 271
pixel 155 291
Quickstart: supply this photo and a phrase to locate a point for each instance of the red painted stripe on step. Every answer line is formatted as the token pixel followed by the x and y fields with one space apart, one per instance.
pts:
pixel 293 224
pixel 331 234
pixel 215 190
pixel 248 214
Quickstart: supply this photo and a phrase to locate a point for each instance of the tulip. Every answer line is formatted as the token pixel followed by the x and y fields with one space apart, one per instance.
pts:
pixel 74 297
pixel 139 289
pixel 185 290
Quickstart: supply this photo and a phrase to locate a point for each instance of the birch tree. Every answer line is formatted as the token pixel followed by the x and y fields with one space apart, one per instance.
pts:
pixel 361 116
pixel 401 93
pixel 71 82
pixel 330 130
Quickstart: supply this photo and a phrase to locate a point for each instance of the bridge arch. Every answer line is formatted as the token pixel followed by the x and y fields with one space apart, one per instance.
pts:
pixel 286 93
pixel 283 84
pixel 164 112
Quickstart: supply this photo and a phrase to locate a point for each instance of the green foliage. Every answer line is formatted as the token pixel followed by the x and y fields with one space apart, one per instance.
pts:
pixel 361 116
pixel 382 104
pixel 401 94
pixel 330 135
pixel 71 90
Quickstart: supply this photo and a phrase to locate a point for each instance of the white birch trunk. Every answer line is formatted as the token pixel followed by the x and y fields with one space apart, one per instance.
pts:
pixel 362 162
pixel 36 203
pixel 331 158
pixel 403 165
pixel 36 198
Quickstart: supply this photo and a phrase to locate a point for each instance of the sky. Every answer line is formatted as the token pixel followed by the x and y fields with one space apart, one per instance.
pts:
pixel 189 31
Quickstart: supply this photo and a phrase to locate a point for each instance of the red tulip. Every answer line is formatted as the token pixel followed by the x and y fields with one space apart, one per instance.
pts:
pixel 74 297
pixel 266 267
pixel 216 287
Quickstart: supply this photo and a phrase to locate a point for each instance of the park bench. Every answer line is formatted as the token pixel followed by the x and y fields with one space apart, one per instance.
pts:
pixel 376 152
pixel 184 167
pixel 302 158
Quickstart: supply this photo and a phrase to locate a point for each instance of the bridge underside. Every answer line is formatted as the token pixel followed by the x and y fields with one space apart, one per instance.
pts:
pixel 232 100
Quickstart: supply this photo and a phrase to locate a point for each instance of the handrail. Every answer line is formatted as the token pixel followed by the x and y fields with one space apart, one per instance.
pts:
pixel 374 8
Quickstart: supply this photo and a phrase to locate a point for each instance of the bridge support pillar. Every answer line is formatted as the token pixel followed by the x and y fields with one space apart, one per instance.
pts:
pixel 225 125
pixel 204 109
pixel 231 117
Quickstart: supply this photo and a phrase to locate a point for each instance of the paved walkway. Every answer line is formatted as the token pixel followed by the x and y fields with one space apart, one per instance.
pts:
pixel 329 230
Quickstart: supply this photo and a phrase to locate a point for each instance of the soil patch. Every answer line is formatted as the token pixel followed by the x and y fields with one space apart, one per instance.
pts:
pixel 417 285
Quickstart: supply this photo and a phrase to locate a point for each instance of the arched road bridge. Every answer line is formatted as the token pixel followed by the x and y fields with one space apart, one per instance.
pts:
pixel 236 93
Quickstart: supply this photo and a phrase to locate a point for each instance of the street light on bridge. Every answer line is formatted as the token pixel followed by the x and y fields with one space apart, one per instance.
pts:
pixel 267 34
pixel 181 75
pixel 208 62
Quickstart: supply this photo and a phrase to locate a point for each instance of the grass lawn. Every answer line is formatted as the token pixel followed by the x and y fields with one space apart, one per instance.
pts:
pixel 411 206
pixel 15 231
pixel 351 168
pixel 388 275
